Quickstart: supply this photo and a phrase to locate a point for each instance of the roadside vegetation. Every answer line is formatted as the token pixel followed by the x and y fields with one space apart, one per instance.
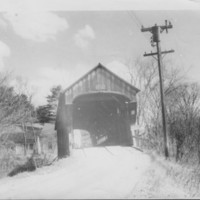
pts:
pixel 17 110
pixel 182 102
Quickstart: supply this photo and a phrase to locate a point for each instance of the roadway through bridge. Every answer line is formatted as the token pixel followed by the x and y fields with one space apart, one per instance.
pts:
pixel 103 115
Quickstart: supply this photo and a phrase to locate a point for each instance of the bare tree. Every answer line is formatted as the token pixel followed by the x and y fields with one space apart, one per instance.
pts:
pixel 15 107
pixel 182 102
pixel 144 75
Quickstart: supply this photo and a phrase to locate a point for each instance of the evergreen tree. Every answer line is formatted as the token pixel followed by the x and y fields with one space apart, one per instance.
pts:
pixel 47 113
pixel 43 114
pixel 52 100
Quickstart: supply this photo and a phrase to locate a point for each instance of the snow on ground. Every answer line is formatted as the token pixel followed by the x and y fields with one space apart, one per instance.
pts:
pixel 111 172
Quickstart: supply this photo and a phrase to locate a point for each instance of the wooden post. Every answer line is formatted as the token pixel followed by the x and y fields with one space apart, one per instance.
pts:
pixel 156 30
pixel 62 129
pixel 131 115
pixel 25 141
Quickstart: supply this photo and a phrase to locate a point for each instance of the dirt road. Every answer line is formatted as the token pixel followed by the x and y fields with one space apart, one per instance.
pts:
pixel 112 172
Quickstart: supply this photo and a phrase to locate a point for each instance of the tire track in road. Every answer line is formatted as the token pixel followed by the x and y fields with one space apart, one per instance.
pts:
pixel 137 148
pixel 109 151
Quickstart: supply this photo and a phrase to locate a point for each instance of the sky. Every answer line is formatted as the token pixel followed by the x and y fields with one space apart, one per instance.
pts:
pixel 45 43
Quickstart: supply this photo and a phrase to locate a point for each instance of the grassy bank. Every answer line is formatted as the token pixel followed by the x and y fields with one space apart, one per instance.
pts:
pixel 184 175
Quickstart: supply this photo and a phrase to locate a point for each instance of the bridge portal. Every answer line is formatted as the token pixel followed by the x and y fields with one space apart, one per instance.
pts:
pixel 102 104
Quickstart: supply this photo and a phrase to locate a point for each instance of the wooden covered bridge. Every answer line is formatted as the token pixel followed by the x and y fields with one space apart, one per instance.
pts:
pixel 101 103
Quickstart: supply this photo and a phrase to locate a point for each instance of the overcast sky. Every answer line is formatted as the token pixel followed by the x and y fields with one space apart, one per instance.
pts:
pixel 51 42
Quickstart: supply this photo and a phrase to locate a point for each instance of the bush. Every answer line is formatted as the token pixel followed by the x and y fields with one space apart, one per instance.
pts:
pixel 8 159
pixel 32 163
pixel 28 166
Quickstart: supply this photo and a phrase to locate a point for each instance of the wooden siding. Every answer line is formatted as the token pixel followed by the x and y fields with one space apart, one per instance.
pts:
pixel 100 79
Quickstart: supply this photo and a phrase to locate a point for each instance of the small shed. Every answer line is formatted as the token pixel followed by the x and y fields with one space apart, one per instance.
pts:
pixel 48 139
pixel 23 139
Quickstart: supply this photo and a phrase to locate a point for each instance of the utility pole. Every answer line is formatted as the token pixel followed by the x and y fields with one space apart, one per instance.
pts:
pixel 156 30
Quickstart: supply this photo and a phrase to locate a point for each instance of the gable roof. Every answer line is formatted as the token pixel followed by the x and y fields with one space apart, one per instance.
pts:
pixel 106 70
pixel 16 133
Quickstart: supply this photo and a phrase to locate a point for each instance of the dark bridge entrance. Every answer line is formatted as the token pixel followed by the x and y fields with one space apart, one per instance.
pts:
pixel 102 104
pixel 103 115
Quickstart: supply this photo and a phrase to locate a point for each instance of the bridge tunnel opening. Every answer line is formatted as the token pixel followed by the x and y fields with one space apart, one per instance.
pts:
pixel 105 117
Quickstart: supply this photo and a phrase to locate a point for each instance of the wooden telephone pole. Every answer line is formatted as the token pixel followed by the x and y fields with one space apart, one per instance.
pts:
pixel 156 30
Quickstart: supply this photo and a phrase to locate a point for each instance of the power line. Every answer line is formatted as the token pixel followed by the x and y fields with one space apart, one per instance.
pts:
pixel 137 18
pixel 134 19
pixel 137 21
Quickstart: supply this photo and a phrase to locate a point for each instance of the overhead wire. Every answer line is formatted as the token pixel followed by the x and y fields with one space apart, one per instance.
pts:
pixel 134 19
pixel 137 21
pixel 139 24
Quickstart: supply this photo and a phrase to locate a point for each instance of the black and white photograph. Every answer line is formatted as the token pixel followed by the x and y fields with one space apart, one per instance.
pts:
pixel 99 99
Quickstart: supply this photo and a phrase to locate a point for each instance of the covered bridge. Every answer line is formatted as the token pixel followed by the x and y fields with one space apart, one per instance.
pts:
pixel 101 103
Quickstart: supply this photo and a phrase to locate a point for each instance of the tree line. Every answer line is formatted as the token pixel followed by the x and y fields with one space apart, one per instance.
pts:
pixel 16 107
pixel 182 101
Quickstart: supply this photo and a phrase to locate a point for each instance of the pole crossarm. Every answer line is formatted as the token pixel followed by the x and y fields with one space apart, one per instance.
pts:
pixel 146 29
pixel 164 27
pixel 156 53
